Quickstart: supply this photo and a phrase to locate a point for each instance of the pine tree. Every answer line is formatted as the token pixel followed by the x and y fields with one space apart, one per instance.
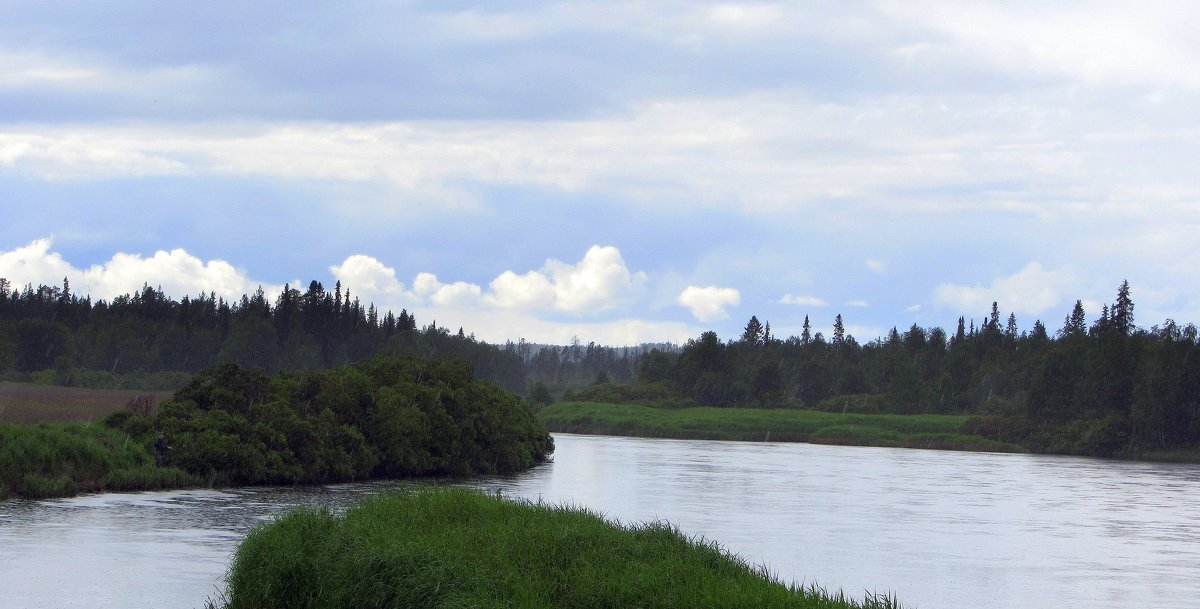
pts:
pixel 1076 322
pixel 839 331
pixel 806 334
pixel 753 334
pixel 1122 311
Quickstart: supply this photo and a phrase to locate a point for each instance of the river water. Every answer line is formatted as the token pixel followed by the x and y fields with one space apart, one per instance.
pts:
pixel 937 529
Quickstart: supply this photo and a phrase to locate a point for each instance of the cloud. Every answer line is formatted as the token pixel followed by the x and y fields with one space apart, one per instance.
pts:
pixel 1113 43
pixel 370 278
pixel 177 272
pixel 599 282
pixel 708 303
pixel 807 301
pixel 912 308
pixel 458 294
pixel 858 303
pixel 1032 290
pixel 876 265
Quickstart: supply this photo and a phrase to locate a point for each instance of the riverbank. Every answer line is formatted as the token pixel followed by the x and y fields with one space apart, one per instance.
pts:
pixel 63 459
pixel 454 547
pixel 768 425
pixel 380 418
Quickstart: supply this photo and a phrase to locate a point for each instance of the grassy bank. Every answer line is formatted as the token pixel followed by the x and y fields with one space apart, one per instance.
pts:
pixel 460 548
pixel 33 403
pixel 779 425
pixel 60 460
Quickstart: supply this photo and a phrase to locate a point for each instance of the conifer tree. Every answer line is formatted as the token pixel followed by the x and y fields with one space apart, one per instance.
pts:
pixel 839 331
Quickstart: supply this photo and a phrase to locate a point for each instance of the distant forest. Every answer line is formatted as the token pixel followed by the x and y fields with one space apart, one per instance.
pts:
pixel 1121 385
pixel 146 340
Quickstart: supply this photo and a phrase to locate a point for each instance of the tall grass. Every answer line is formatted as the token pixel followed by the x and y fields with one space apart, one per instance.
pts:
pixel 461 548
pixel 60 460
pixel 776 425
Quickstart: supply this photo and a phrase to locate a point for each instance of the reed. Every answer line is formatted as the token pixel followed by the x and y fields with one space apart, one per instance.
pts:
pixel 447 547
pixel 62 459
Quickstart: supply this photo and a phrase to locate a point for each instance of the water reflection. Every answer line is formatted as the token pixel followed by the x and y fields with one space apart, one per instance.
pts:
pixel 940 529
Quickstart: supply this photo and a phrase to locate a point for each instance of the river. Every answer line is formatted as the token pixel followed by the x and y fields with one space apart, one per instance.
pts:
pixel 939 530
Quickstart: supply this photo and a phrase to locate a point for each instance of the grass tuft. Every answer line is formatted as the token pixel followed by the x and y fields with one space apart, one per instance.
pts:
pixel 461 548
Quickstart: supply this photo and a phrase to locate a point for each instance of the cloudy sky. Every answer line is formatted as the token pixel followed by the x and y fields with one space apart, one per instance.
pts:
pixel 623 172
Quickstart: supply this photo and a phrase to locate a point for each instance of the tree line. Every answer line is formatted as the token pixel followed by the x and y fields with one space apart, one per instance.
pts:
pixel 147 338
pixel 1099 389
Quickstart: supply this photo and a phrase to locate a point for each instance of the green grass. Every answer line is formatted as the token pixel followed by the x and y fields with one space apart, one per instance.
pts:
pixel 459 548
pixel 776 425
pixel 62 459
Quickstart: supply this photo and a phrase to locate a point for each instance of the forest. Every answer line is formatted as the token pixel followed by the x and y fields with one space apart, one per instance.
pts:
pixel 1110 387
pixel 146 340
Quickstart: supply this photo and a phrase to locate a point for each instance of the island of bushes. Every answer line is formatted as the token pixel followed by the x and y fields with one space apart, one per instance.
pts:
pixel 384 417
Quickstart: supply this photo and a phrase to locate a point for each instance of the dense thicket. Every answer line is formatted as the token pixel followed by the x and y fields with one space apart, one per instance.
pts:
pixel 384 417
pixel 144 340
pixel 1105 389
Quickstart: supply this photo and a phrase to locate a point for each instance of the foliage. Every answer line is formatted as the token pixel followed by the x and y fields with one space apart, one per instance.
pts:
pixel 382 417
pixel 59 460
pixel 460 548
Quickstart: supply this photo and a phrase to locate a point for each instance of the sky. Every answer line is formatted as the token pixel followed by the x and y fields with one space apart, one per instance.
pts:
pixel 624 172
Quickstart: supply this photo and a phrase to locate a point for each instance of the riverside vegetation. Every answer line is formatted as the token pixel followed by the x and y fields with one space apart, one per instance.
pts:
pixel 460 548
pixel 779 425
pixel 1106 389
pixel 384 417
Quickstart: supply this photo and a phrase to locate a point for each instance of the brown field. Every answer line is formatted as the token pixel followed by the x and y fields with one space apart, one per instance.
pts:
pixel 29 403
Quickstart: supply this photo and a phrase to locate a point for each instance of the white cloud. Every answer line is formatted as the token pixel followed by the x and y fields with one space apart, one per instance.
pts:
pixel 799 299
pixel 858 303
pixel 177 272
pixel 708 303
pixel 370 278
pixel 598 283
pixel 1109 43
pixel 458 294
pixel 1031 290
pixel 876 265
pixel 533 290
pixel 912 308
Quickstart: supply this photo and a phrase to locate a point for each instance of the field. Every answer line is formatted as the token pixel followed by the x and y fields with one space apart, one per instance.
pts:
pixel 461 548
pixel 30 403
pixel 766 425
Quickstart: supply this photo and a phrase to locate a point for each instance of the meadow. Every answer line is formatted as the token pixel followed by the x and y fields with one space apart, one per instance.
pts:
pixel 35 403
pixel 768 425
pixel 447 547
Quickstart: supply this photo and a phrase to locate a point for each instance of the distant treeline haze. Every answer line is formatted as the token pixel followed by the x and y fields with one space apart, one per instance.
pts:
pixel 1136 387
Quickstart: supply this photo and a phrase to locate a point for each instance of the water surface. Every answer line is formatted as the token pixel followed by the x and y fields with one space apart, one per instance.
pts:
pixel 938 529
